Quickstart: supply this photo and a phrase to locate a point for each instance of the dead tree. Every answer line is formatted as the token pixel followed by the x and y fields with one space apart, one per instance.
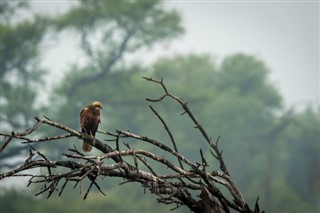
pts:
pixel 170 188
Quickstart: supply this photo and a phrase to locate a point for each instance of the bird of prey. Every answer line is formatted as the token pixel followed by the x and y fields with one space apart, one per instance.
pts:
pixel 89 122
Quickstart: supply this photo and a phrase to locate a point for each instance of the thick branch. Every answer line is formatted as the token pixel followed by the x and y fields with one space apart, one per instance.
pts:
pixel 172 186
pixel 195 121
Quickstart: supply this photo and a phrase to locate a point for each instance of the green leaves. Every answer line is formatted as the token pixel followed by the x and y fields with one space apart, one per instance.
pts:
pixel 19 53
pixel 9 8
pixel 20 75
pixel 233 99
pixel 110 29
pixel 147 20
pixel 19 45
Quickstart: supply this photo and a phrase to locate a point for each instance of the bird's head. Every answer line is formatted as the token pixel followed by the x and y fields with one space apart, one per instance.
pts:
pixel 97 105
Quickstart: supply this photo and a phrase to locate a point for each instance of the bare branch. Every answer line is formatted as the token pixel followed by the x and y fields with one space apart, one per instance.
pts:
pixel 168 131
pixel 185 106
pixel 58 137
pixel 156 143
pixel 172 186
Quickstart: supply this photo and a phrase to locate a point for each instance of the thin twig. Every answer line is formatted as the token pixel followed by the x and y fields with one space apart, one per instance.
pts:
pixel 171 187
pixel 169 133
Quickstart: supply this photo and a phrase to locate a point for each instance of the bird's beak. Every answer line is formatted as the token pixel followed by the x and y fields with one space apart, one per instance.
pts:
pixel 100 107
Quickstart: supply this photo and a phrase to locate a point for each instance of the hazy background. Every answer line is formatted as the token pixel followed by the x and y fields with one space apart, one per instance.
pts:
pixel 249 70
pixel 284 34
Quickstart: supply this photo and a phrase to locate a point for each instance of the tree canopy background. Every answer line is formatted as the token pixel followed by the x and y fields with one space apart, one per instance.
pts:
pixel 271 151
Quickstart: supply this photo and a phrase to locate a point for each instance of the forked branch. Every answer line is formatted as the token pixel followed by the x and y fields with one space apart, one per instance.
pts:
pixel 172 186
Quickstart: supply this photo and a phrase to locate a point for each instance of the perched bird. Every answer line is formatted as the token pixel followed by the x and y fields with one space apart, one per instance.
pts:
pixel 89 122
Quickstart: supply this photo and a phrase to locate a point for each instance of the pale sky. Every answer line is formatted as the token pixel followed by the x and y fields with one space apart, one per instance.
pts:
pixel 283 34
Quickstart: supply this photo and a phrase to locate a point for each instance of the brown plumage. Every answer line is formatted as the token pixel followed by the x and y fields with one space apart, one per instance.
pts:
pixel 89 122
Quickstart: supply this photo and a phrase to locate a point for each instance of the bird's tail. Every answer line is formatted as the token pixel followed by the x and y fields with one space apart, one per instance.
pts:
pixel 86 146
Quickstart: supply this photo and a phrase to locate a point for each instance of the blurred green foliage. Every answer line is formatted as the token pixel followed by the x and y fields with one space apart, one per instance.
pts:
pixel 133 200
pixel 271 152
pixel 20 75
pixel 19 71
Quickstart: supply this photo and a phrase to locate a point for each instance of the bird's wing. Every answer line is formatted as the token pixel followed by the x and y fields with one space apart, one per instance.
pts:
pixel 82 117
